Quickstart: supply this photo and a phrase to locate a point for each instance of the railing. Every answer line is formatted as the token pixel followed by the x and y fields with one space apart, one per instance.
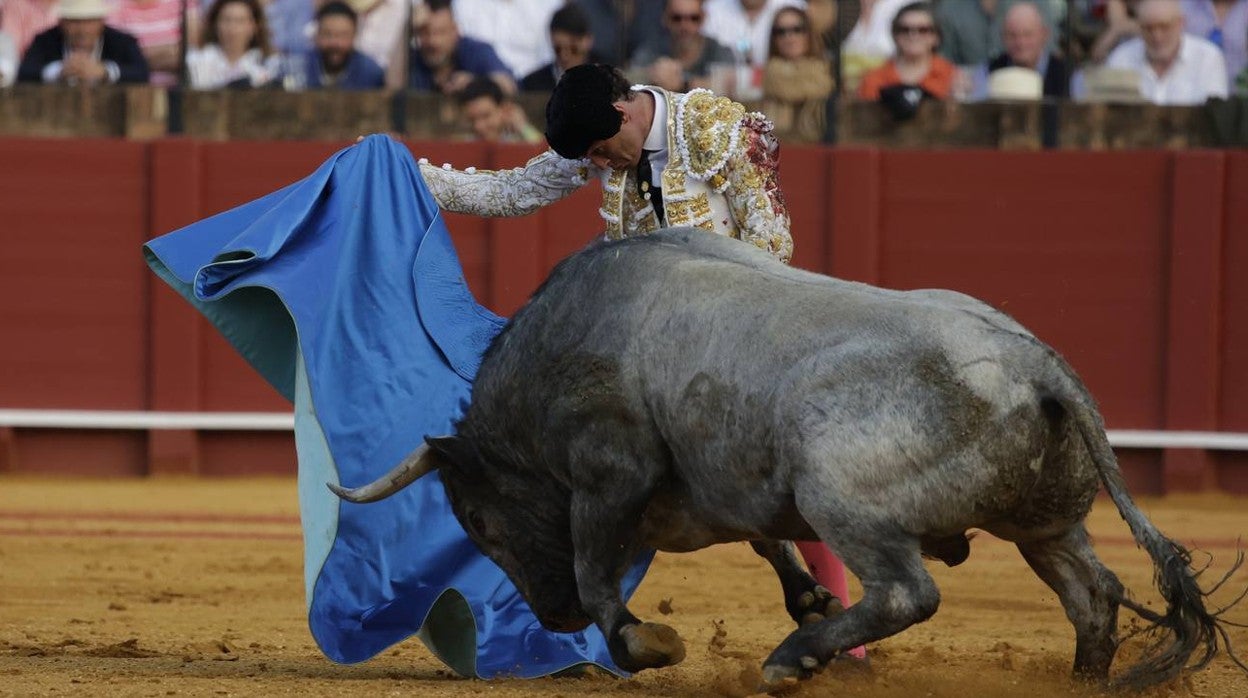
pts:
pixel 144 112
pixel 285 421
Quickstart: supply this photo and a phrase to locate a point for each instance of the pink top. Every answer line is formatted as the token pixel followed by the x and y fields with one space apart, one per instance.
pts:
pixel 152 22
pixel 23 19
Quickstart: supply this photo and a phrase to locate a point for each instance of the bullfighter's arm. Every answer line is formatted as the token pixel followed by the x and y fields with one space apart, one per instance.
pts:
pixel 753 189
pixel 543 180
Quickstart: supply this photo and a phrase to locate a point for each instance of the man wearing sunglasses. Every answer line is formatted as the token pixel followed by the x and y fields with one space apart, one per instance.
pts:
pixel 680 57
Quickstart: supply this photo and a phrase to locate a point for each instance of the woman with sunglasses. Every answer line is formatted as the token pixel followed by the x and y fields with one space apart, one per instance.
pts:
pixel 915 62
pixel 797 77
pixel 797 69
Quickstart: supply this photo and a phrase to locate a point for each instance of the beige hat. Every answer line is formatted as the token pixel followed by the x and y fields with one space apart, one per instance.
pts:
pixel 361 7
pixel 1015 83
pixel 1112 85
pixel 82 9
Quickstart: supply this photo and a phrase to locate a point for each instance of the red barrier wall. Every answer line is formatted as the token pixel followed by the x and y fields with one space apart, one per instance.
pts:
pixel 1123 261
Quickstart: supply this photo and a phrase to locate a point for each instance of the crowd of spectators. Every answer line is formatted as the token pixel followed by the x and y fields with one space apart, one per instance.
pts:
pixel 482 52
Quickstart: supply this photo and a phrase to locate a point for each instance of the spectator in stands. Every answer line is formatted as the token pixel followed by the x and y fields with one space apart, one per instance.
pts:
pixel 8 58
pixel 157 24
pixel 870 41
pixel 916 72
pixel 80 49
pixel 1174 67
pixel 744 26
pixel 515 28
pixel 971 29
pixel 289 23
pixel 1026 40
pixel 1110 21
pixel 865 38
pixel 443 60
pixel 681 57
pixel 797 79
pixel 797 69
pixel 23 19
pixel 493 116
pixel 382 34
pixel 621 27
pixel 572 43
pixel 1225 24
pixel 334 62
pixel 236 50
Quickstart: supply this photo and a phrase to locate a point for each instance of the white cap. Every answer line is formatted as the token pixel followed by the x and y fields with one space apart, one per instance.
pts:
pixel 82 9
pixel 1112 85
pixel 1015 83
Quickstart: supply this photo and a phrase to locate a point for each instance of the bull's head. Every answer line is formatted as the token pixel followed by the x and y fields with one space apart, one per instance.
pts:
pixel 516 517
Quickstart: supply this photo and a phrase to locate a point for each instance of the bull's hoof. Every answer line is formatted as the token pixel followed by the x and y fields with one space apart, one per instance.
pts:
pixel 818 604
pixel 651 645
pixel 777 676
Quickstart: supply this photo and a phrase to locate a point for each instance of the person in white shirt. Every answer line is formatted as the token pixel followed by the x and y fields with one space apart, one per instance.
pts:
pixel 236 49
pixel 516 29
pixel 8 59
pixel 1175 68
pixel 745 25
pixel 382 34
pixel 872 35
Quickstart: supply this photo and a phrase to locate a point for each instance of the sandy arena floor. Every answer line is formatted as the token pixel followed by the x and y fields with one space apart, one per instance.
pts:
pixel 193 587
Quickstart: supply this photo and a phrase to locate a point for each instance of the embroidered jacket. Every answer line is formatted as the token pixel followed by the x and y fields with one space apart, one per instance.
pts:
pixel 722 175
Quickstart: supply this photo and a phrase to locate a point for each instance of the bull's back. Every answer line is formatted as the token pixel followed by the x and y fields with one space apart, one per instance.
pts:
pixel 672 306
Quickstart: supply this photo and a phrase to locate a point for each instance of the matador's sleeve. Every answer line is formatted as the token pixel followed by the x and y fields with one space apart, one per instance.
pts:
pixel 752 188
pixel 543 180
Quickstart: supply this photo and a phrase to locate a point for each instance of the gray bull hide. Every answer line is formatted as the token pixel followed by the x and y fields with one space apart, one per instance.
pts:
pixel 681 389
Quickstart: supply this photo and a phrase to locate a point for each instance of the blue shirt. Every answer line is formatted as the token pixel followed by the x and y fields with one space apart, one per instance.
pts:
pixel 471 55
pixel 361 73
pixel 1231 36
pixel 289 22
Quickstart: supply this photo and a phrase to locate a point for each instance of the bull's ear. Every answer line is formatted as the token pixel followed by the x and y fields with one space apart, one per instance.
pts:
pixel 452 451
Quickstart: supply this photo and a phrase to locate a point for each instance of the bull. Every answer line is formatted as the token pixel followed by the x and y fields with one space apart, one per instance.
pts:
pixel 679 390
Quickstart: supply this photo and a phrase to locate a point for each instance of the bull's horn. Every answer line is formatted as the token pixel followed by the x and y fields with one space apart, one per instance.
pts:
pixel 420 462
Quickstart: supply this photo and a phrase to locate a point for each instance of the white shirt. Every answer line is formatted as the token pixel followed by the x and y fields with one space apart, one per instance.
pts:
pixel 875 36
pixel 8 60
pixel 210 69
pixel 381 31
pixel 517 29
pixel 1197 74
pixel 727 23
pixel 656 139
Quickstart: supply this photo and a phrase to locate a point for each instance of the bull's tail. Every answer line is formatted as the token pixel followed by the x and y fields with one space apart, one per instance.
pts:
pixel 1186 628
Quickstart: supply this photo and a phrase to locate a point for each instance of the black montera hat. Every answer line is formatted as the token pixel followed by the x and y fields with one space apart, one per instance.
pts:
pixel 902 101
pixel 580 109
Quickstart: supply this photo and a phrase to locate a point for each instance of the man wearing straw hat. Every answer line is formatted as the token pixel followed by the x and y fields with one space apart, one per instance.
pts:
pixel 80 49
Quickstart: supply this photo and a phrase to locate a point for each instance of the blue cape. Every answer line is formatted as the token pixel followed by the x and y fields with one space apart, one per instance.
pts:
pixel 343 290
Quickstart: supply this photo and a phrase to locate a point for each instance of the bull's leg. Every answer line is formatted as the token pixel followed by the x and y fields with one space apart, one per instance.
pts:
pixel 897 593
pixel 1088 591
pixel 603 526
pixel 804 598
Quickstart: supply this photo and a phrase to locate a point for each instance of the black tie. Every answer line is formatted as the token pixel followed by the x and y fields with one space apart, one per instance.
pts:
pixel 647 190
